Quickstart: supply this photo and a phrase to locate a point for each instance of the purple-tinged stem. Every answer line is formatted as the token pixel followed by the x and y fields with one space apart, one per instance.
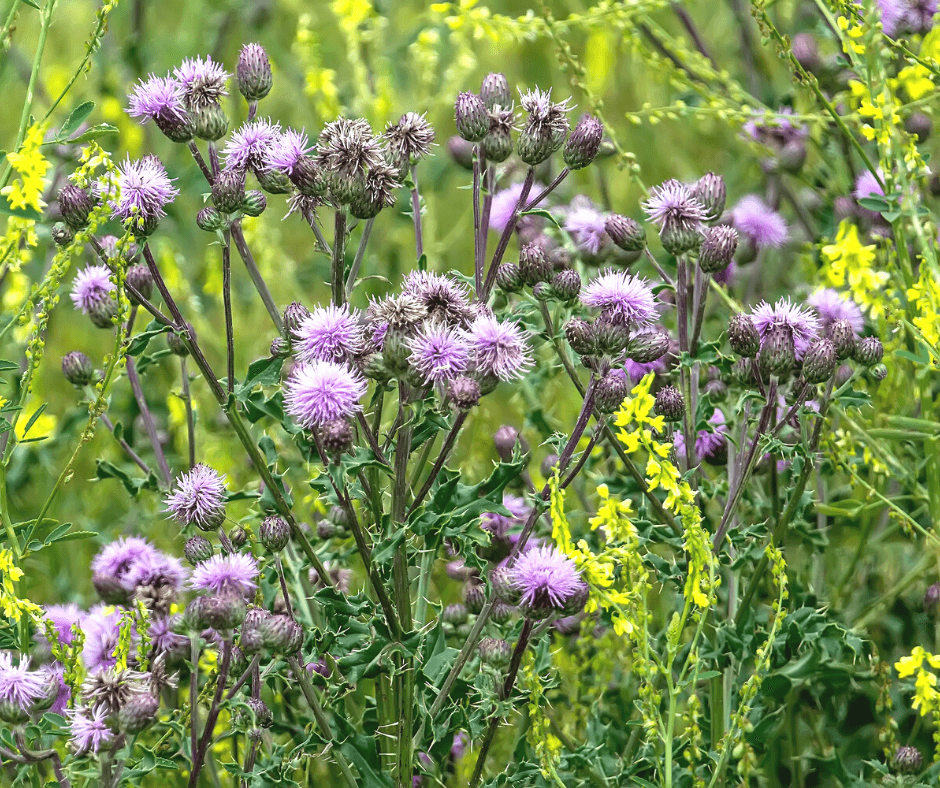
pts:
pixel 201 162
pixel 252 267
pixel 442 457
pixel 200 757
pixel 477 245
pixel 284 591
pixel 229 323
pixel 534 202
pixel 126 446
pixel 337 268
pixel 416 211
pixel 699 299
pixel 249 672
pixel 190 419
pixel 214 160
pixel 659 269
pixel 507 235
pixel 489 186
pixel 360 254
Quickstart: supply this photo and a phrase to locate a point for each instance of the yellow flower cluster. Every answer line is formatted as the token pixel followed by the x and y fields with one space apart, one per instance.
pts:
pixel 547 746
pixel 12 606
pixel 926 696
pixel 851 264
pixel 31 166
pixel 925 297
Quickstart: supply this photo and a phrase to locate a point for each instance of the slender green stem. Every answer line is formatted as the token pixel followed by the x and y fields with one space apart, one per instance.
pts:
pixel 337 267
pixel 229 323
pixel 190 418
pixel 360 254
pixel 244 251
pixel 416 211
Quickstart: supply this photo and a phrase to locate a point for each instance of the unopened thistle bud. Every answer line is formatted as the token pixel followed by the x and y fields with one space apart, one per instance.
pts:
pixel 238 536
pixel 792 156
pixel 294 316
pixel 777 353
pixel 920 125
pixel 626 233
pixel 869 351
pixel 464 392
pixel 461 152
pixel 576 601
pixel 504 587
pixel 566 285
pixel 534 267
pixel 718 247
pixel 273 181
pixel 210 122
pixel 176 344
pixel 932 598
pixel 274 533
pixel 878 372
pixel 612 338
pixel 471 117
pixel 253 72
pixel 497 144
pixel 611 391
pixel 138 713
pixel 77 368
pixel 12 712
pixel 76 204
pixel 494 92
pixel 843 339
pixel 509 278
pixel 819 362
pixel 647 346
pixel 506 438
pixel 677 238
pixel 548 465
pixel 584 142
pixel 669 404
pixel 709 190
pixel 542 291
pixel 103 311
pixel 336 436
pixel 455 614
pixel 282 634
pixel 62 234
pixel 307 176
pixel 254 714
pixel 535 145
pixel 806 51
pixel 210 219
pixel 254 203
pixel 743 336
pixel 140 278
pixel 908 760
pixel 474 597
pixel 280 347
pixel 197 549
pixel 502 612
pixel 581 336
pixel 716 390
pixel 223 612
pixel 495 653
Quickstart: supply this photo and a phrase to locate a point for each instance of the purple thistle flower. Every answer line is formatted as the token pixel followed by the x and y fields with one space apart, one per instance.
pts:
pixel 18 684
pixel 62 618
pixel 227 574
pixel 444 298
pixel 636 372
pixel 802 323
pixel 101 629
pixel 764 227
pixel 92 285
pixel 504 205
pixel 498 349
pixel 438 352
pixel 287 149
pixel 622 298
pixel 329 333
pixel 832 305
pixel 545 576
pixel 728 276
pixel 323 391
pixel 899 17
pixel 146 189
pixel 89 729
pixel 459 746
pixel 249 143
pixel 198 497
pixel 158 98
pixel 203 81
pixel 56 672
pixel 866 185
pixel 708 443
pixel 546 117
pixel 164 639
pixel 116 559
pixel 158 569
pixel 586 225
pixel 348 148
pixel 673 208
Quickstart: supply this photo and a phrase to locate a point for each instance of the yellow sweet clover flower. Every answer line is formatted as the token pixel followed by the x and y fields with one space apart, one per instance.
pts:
pixel 926 697
pixel 853 34
pixel 31 166
pixel 12 606
pixel 613 515
pixel 849 263
pixel 924 295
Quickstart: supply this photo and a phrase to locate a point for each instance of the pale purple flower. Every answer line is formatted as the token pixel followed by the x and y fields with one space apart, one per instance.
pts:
pixel 164 639
pixel 56 672
pixel 728 276
pixel 329 333
pixel 622 298
pixel 102 629
pixel 116 559
pixel 586 225
pixel 443 297
pixel 91 286
pixel 323 391
pixel 504 205
pixel 146 189
pixel 18 684
pixel 249 143
pixel 764 227
pixel 287 149
pixel 832 305
pixel 198 497
pixel 708 443
pixel 62 617
pixel 227 574
pixel 89 729
pixel 777 132
pixel 546 117
pixel 672 204
pixel 203 81
pixel 545 576
pixel 438 352
pixel 459 746
pixel 498 349
pixel 802 323
pixel 636 371
pixel 158 98
pixel 866 185
pixel 158 569
pixel 899 17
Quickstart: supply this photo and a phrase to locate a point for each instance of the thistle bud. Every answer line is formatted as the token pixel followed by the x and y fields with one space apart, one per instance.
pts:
pixel 210 122
pixel 819 362
pixel 533 265
pixel 254 714
pixel 932 598
pixel 471 117
pixel 497 144
pixel 13 713
pixel 294 316
pixel 908 760
pixel 238 536
pixel 464 392
pixel 611 391
pixel 542 291
pixel 506 438
pixel 337 436
pixel 843 339
pixel 548 465
pixel 254 203
pixel 504 588
pixel 792 156
pixel 455 614
pixel 502 613
pixel 273 182
pixel 647 346
pixel 743 336
pixel 474 597
pixel 62 234
pixel 461 152
pixel 495 653
pixel 777 353
pixel 76 204
pixel 677 238
pixel 669 404
pixel 77 368
pixel 280 347
pixel 920 125
pixel 197 549
pixel 612 338
pixel 139 277
pixel 626 233
pixel 137 714
pixel 494 92
pixel 566 285
pixel 716 390
pixel 223 612
pixel 210 219
pixel 103 311
pixel 581 336
pixel 535 145
pixel 718 247
pixel 253 72
pixel 509 278
pixel 282 634
pixel 576 600
pixel 274 533
pixel 176 343
pixel 869 351
pixel 326 529
pixel 742 371
pixel 584 142
pixel 709 190
pixel 308 178
pixel 878 372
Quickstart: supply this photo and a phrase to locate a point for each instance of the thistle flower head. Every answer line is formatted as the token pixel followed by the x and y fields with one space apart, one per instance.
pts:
pixel 680 217
pixel 235 574
pixel 498 349
pixel 410 139
pixel 156 569
pixel 709 444
pixel 900 17
pixel 329 333
pixel 504 205
pixel 866 185
pixel 198 497
pixel 249 143
pixel 62 617
pixel 91 286
pixel 399 313
pixel 89 729
pixel 831 305
pixel 623 299
pixel 286 150
pixel 145 189
pixel 444 298
pixel 438 352
pixel 323 391
pixel 19 685
pixel 348 148
pixel 112 688
pixel 546 117
pixel 116 559
pixel 102 629
pixel 764 227
pixel 378 192
pixel 203 81
pixel 546 579
pixel 801 323
pixel 158 99
pixel 586 224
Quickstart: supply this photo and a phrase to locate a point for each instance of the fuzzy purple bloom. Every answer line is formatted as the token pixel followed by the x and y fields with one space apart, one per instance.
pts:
pixel 323 391
pixel 636 371
pixel 158 569
pixel 164 640
pixel 116 559
pixel 18 684
pixel 498 349
pixel 146 189
pixel 545 576
pixel 329 333
pixel 439 353
pixel 459 746
pixel 227 574
pixel 443 297
pixel 504 205
pixel 708 443
pixel 899 17
pixel 203 81
pixel 672 206
pixel 287 149
pixel 198 497
pixel 249 143
pixel 56 672
pixel 158 98
pixel 92 285
pixel 62 618
pixel 622 298
pixel 586 224
pixel 866 185
pixel 802 323
pixel 764 227
pixel 90 730
pixel 832 305
pixel 101 628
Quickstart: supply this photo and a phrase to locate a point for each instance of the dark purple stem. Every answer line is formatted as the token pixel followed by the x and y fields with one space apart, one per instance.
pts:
pixel 507 235
pixel 200 757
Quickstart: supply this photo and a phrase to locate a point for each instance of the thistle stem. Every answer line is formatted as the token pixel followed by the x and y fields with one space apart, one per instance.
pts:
pixel 337 268
pixel 507 235
pixel 190 418
pixel 442 457
pixel 533 203
pixel 416 211
pixel 200 757
pixel 126 446
pixel 360 254
pixel 229 323
pixel 477 245
pixel 201 161
pixel 252 267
